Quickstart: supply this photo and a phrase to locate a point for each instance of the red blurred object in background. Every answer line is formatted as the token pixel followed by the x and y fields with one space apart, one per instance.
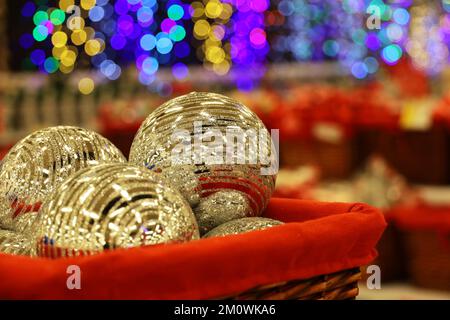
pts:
pixel 413 83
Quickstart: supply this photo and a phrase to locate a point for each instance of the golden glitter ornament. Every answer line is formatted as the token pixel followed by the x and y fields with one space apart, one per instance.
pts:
pixel 221 207
pixel 219 141
pixel 242 225
pixel 14 243
pixel 112 206
pixel 39 163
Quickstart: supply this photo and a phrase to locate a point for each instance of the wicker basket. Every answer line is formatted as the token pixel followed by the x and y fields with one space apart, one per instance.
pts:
pixel 428 258
pixel 341 285
pixel 391 256
pixel 429 149
pixel 335 160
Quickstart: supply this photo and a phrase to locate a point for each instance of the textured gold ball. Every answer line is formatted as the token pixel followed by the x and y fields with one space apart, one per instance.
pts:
pixel 242 225
pixel 40 162
pixel 221 207
pixel 14 243
pixel 112 206
pixel 168 140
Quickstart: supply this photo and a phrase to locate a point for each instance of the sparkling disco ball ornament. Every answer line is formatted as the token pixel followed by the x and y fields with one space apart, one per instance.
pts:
pixel 216 142
pixel 112 206
pixel 39 163
pixel 14 243
pixel 242 225
pixel 221 207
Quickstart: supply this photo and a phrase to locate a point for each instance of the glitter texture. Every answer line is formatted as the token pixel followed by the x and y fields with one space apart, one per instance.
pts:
pixel 39 163
pixel 242 225
pixel 112 206
pixel 14 243
pixel 221 207
pixel 155 142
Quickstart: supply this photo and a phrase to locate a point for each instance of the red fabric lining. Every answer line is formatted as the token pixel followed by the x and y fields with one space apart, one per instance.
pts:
pixel 4 151
pixel 322 238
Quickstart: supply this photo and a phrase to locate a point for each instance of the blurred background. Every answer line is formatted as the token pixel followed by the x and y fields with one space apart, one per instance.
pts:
pixel 358 88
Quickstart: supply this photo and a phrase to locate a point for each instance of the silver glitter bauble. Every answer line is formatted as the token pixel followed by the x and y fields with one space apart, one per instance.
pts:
pixel 39 163
pixel 221 207
pixel 242 225
pixel 201 131
pixel 185 180
pixel 14 243
pixel 112 206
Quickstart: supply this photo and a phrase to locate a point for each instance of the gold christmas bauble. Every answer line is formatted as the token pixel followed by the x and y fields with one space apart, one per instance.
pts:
pixel 39 163
pixel 14 243
pixel 221 207
pixel 214 143
pixel 112 206
pixel 242 225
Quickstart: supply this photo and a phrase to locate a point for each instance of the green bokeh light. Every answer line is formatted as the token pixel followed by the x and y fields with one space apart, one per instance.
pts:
pixel 177 33
pixel 57 17
pixel 51 65
pixel 175 12
pixel 40 33
pixel 39 17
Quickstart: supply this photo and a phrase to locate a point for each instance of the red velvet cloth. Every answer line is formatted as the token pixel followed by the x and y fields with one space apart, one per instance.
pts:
pixel 320 238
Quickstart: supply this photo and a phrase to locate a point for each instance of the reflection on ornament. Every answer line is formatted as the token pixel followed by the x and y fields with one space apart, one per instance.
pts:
pixel 221 207
pixel 242 225
pixel 14 243
pixel 39 163
pixel 224 143
pixel 112 206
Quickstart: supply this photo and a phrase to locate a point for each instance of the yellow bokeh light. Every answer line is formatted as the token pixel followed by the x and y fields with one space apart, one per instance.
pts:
pixel 65 4
pixel 209 18
pixel 59 39
pixel 102 45
pixel 57 52
pixel 68 58
pixel 213 9
pixel 78 37
pixel 197 10
pixel 227 11
pixel 90 32
pixel 75 23
pixel 211 43
pixel 86 85
pixel 87 4
pixel 66 69
pixel 92 47
pixel 215 54
pixel 222 68
pixel 201 29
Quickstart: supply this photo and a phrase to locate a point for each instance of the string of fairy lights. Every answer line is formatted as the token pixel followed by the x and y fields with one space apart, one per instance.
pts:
pixel 210 23
pixel 231 36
